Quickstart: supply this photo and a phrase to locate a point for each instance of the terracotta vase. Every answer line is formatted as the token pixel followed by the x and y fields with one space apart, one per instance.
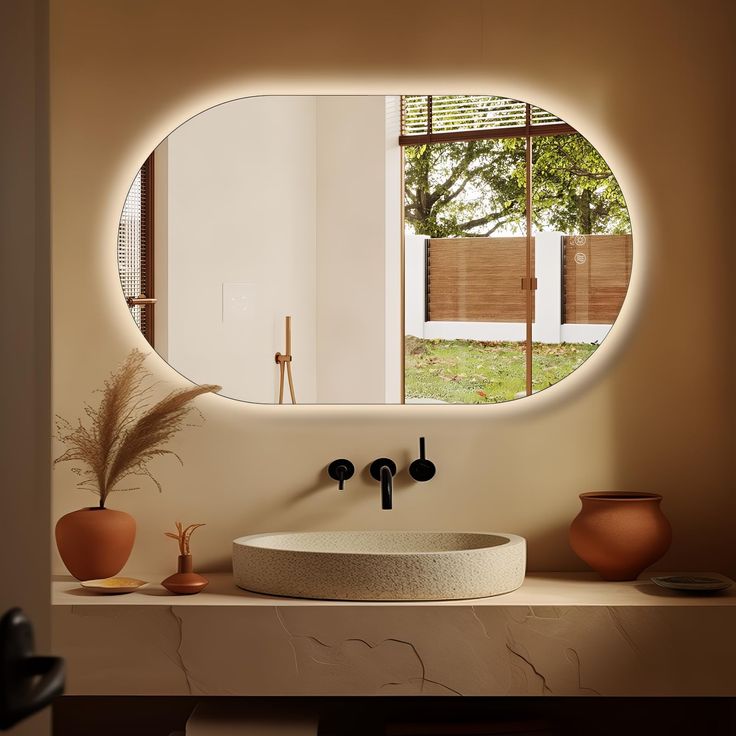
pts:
pixel 95 543
pixel 184 581
pixel 620 533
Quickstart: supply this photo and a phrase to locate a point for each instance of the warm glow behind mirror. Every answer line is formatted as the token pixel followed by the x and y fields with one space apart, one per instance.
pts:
pixel 262 247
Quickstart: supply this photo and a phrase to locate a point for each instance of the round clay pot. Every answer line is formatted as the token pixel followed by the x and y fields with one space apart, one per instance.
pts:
pixel 620 533
pixel 184 581
pixel 95 543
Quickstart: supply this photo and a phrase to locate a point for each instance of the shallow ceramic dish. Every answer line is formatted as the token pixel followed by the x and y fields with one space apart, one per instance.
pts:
pixel 693 583
pixel 113 586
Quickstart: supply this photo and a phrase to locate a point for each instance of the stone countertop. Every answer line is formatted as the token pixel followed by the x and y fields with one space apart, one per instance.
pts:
pixel 539 589
pixel 559 634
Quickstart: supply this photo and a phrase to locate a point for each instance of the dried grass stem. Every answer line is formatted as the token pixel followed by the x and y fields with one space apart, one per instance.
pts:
pixel 124 433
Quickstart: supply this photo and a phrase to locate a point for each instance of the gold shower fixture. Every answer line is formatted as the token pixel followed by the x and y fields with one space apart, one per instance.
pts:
pixel 284 363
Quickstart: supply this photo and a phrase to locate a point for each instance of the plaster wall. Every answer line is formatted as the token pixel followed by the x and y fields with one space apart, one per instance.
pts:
pixel 240 213
pixel 648 411
pixel 351 231
pixel 264 208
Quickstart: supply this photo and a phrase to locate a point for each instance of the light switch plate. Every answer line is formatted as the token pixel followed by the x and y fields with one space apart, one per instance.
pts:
pixel 239 302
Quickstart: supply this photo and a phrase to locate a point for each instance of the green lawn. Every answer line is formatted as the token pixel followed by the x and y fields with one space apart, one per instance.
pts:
pixel 473 372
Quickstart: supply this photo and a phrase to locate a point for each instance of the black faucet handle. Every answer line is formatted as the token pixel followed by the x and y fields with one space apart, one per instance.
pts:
pixel 422 469
pixel 341 470
pixel 376 465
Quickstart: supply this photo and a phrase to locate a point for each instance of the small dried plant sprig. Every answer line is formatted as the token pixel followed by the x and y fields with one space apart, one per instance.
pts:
pixel 124 432
pixel 183 535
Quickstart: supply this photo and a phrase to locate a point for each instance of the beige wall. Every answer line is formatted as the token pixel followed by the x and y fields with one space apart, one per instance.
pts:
pixel 351 250
pixel 282 199
pixel 649 410
pixel 240 213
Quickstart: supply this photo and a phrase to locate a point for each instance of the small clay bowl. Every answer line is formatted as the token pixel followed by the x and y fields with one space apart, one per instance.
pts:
pixel 113 586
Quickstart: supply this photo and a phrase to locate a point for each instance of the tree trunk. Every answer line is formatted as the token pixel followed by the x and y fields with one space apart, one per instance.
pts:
pixel 586 219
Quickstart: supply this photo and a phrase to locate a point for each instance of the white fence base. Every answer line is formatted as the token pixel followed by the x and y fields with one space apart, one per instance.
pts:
pixel 509 332
pixel 490 331
pixel 584 333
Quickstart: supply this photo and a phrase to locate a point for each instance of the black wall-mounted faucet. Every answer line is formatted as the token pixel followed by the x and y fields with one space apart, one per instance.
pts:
pixel 384 470
pixel 341 470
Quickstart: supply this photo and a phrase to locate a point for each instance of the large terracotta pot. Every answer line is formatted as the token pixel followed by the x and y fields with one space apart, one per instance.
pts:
pixel 95 543
pixel 620 533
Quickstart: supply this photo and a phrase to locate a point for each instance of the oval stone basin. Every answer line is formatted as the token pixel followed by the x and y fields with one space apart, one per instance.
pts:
pixel 380 566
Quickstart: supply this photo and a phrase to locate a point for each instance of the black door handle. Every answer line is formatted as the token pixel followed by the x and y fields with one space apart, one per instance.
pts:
pixel 27 683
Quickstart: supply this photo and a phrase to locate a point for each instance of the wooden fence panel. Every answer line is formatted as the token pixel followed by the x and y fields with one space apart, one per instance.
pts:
pixel 477 279
pixel 596 276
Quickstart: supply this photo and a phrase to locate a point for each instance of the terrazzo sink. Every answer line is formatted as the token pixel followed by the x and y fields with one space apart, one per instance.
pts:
pixel 380 566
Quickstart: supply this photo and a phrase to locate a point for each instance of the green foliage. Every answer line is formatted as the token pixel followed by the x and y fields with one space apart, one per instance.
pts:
pixel 574 191
pixel 478 188
pixel 459 189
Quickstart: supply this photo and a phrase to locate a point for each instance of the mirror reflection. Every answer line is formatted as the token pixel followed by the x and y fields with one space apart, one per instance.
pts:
pixel 370 249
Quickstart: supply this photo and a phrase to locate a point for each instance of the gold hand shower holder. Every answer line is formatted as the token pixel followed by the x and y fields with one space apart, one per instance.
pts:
pixel 283 360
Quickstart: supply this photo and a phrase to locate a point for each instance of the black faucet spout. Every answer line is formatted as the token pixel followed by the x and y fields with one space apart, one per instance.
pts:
pixel 383 470
pixel 387 488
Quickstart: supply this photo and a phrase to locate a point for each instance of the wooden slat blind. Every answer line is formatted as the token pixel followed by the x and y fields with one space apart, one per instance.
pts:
pixel 596 276
pixel 477 279
pixel 135 248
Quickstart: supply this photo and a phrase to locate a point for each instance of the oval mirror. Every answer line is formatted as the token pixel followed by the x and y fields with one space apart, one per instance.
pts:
pixel 370 249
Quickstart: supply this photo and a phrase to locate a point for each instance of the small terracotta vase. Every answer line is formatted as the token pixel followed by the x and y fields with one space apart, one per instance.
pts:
pixel 95 543
pixel 184 581
pixel 620 533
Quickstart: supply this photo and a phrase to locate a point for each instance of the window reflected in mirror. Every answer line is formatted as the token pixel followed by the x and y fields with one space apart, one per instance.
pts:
pixel 517 265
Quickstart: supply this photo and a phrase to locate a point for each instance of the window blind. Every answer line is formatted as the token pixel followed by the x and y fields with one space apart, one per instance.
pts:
pixel 441 116
pixel 135 249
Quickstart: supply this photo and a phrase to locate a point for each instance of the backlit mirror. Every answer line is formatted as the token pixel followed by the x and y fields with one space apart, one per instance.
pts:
pixel 369 249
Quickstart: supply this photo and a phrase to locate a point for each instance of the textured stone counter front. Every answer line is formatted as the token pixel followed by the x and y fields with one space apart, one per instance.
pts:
pixel 559 634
